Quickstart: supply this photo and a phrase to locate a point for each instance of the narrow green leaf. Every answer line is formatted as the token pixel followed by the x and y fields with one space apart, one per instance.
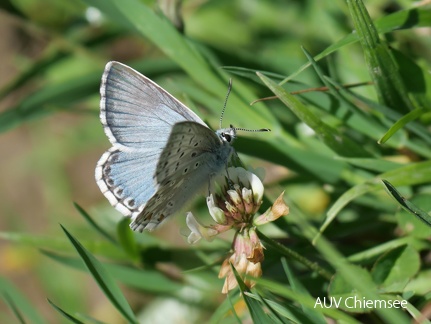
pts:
pixel 415 78
pixel 406 204
pixel 93 224
pixel 56 95
pixel 411 174
pixel 404 19
pixel 302 160
pixel 50 98
pixel 289 313
pixel 225 308
pixel 146 280
pixel 414 127
pixel 416 314
pixel 268 305
pixel 382 66
pixel 407 118
pixel 372 164
pixel 311 313
pixel 101 247
pixel 36 69
pixel 374 252
pixel 291 254
pixel 9 301
pixel 64 313
pixel 254 307
pixel 127 239
pixel 18 303
pixel 251 73
pixel 372 127
pixel 415 226
pixel 103 279
pixel 330 136
pixel 306 300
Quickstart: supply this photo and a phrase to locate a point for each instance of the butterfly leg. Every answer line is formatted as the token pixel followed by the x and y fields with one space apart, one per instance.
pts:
pixel 229 181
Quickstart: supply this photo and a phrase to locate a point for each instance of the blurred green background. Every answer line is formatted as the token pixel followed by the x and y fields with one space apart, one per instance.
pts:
pixel 53 54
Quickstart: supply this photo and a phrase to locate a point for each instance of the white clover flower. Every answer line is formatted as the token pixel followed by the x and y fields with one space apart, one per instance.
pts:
pixel 216 213
pixel 234 199
pixel 198 230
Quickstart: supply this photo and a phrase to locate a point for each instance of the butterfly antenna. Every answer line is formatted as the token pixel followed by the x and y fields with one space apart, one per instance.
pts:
pixel 229 88
pixel 251 130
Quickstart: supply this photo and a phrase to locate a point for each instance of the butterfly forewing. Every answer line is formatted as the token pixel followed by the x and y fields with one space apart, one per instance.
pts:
pixel 136 112
pixel 137 116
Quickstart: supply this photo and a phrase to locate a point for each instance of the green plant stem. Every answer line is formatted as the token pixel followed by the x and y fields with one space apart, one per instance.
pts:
pixel 293 255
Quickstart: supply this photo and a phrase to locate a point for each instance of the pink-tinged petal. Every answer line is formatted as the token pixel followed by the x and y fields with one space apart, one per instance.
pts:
pixel 224 269
pixel 278 209
pixel 247 196
pixel 254 270
pixel 229 283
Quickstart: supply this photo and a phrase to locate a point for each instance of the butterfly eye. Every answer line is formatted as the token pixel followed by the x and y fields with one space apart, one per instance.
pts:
pixel 227 137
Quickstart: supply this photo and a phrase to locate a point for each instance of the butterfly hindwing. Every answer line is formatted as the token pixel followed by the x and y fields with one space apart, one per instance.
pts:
pixel 186 143
pixel 191 157
pixel 117 179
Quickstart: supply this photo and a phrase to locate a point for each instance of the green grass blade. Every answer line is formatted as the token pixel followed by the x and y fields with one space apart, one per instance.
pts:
pixel 146 280
pixel 127 239
pixel 64 313
pixel 297 286
pixel 418 146
pixel 13 307
pixel 372 164
pixel 93 224
pixel 329 135
pixel 255 308
pixel 225 308
pixel 59 95
pixel 411 174
pixel 49 99
pixel 18 303
pixel 411 18
pixel 289 253
pixel 103 279
pixel 305 300
pixel 268 305
pixel 371 254
pixel 407 118
pixel 382 65
pixel 100 247
pixel 406 204
pixel 416 314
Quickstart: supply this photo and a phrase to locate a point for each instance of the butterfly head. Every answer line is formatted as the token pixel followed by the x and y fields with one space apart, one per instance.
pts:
pixel 227 135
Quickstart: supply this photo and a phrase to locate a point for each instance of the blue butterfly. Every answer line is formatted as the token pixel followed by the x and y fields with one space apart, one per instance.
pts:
pixel 162 153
